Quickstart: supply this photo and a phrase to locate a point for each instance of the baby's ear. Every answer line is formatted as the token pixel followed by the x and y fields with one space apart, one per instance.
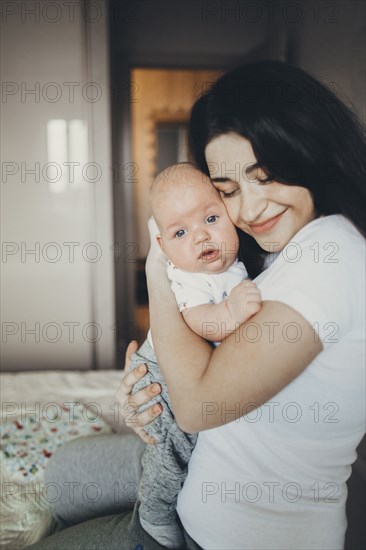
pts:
pixel 159 240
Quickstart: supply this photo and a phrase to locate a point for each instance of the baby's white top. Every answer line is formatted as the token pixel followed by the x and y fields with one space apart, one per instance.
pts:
pixel 195 289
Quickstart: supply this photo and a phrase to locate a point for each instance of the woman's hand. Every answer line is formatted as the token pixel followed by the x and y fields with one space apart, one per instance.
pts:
pixel 130 403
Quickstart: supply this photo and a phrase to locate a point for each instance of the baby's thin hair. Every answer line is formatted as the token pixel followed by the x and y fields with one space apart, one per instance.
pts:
pixel 173 174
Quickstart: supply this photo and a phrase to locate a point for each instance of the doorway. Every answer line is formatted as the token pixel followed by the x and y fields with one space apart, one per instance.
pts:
pixel 159 124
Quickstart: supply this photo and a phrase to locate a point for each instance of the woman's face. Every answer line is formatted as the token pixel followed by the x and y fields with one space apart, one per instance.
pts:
pixel 271 212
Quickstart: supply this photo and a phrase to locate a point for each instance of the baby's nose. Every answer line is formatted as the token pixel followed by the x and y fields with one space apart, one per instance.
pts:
pixel 202 234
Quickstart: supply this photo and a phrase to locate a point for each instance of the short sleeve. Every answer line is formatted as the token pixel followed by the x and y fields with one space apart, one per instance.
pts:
pixel 319 274
pixel 190 289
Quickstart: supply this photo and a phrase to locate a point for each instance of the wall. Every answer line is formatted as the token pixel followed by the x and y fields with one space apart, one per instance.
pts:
pixel 163 31
pixel 329 41
pixel 57 302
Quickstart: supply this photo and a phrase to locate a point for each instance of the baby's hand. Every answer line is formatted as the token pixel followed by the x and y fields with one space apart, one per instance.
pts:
pixel 244 301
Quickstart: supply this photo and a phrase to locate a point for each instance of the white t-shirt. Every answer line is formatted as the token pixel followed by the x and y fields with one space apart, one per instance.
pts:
pixel 195 289
pixel 276 478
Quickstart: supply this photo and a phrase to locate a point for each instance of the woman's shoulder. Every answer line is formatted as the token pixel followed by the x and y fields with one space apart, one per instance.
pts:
pixel 320 273
pixel 326 240
pixel 333 228
pixel 328 244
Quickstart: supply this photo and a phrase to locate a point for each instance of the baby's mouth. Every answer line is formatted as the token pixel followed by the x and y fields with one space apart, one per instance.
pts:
pixel 209 254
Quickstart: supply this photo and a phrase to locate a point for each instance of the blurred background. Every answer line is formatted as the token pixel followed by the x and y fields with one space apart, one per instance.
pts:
pixel 96 97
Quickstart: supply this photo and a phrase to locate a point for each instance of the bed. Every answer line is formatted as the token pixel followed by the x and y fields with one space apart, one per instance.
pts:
pixel 40 411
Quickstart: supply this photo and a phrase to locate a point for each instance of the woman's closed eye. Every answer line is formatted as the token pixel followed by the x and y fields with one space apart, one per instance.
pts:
pixel 263 181
pixel 229 194
pixel 260 181
pixel 262 177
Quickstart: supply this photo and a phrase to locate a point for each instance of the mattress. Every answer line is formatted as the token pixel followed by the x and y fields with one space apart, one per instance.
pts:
pixel 40 411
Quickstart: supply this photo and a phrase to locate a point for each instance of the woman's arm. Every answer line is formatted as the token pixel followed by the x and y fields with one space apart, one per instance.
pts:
pixel 253 364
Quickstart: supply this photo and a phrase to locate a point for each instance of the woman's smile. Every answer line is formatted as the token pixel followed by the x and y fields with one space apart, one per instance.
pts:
pixel 267 225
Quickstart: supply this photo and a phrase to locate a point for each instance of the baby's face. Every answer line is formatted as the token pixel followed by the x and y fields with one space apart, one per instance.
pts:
pixel 196 232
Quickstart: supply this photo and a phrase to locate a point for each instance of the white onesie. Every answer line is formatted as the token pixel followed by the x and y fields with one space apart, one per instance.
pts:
pixel 195 289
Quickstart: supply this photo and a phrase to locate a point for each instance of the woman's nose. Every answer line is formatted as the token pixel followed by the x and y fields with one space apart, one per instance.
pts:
pixel 252 205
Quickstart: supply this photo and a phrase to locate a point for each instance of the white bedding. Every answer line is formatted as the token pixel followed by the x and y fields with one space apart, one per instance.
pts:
pixel 39 412
pixel 48 386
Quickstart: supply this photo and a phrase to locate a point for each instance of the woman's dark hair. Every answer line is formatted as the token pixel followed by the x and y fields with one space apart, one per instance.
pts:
pixel 300 132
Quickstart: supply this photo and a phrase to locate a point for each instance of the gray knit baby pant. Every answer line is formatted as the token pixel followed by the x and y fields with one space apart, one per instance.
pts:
pixel 164 464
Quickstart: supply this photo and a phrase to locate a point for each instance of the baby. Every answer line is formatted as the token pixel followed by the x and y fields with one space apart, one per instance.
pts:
pixel 214 298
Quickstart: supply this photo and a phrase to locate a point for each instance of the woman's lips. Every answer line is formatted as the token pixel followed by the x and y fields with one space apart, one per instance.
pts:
pixel 267 225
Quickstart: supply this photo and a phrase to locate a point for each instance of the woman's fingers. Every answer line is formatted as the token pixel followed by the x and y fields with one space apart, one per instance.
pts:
pixel 131 413
pixel 133 402
pixel 142 419
pixel 130 378
pixel 137 421
pixel 146 438
pixel 130 404
pixel 125 386
pixel 131 348
pixel 144 396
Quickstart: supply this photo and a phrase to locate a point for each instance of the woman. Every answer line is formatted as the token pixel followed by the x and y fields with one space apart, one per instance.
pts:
pixel 280 403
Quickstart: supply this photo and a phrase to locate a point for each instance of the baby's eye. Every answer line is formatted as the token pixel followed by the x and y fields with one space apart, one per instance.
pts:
pixel 180 233
pixel 230 194
pixel 211 219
